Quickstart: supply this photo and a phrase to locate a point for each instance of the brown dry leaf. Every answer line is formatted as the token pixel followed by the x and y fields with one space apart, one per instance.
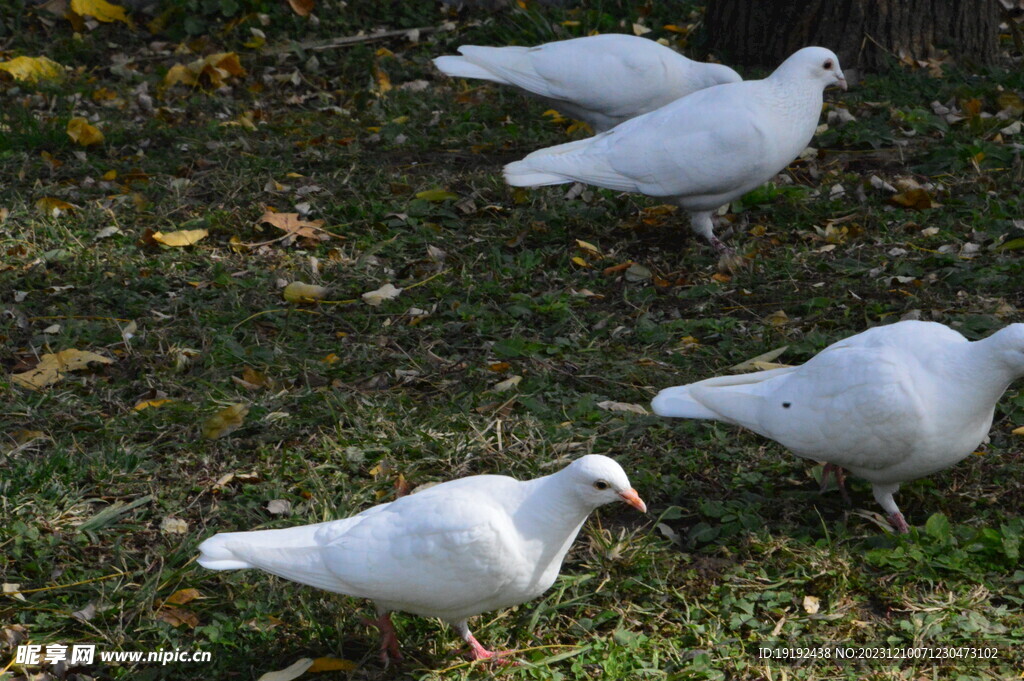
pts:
pixel 252 379
pixel 289 673
pixel 52 367
pixel 499 367
pixel 779 318
pixel 183 596
pixel 32 69
pixel 211 72
pixel 183 237
pixel 610 405
pixel 52 207
pixel 293 224
pixel 101 10
pixel 302 7
pixel 917 199
pixel 177 616
pixel 83 133
pixel 224 422
pixel 332 664
pixel 299 292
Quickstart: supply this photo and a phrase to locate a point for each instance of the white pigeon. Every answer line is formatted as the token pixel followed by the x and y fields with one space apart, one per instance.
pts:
pixel 891 404
pixel 451 551
pixel 601 79
pixel 704 150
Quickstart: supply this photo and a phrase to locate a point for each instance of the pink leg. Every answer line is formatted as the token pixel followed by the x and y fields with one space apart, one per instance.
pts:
pixel 840 476
pixel 389 649
pixel 477 651
pixel 899 522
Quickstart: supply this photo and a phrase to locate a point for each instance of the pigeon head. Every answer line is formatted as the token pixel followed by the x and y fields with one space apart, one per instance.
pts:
pixel 816 63
pixel 598 480
pixel 1009 344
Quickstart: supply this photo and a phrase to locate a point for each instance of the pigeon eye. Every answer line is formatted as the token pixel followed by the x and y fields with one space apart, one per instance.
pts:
pixel 827 65
pixel 601 484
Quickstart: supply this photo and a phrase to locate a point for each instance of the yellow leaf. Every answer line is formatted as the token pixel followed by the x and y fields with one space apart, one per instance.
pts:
pixel 291 222
pixel 298 292
pixel 52 367
pixel 179 73
pixel 110 175
pixel 101 10
pixel 212 71
pixel 225 421
pixel 331 359
pixel 436 195
pixel 82 132
pixel 577 260
pixel 1018 431
pixel 288 674
pixel 184 237
pixel 32 69
pixel 52 207
pixel 383 81
pixel 146 404
pixel 332 664
pixel 183 596
pixel 589 247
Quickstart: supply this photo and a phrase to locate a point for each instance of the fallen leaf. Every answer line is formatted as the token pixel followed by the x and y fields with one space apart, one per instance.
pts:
pixel 224 422
pixel 83 133
pixel 52 367
pixel 279 507
pixel 52 207
pixel 146 404
pixel 86 613
pixel 293 224
pixel 332 664
pixel 811 604
pixel 1018 431
pixel 917 199
pixel 385 292
pixel 32 69
pixel 507 384
pixel 211 72
pixel 184 237
pixel 101 10
pixel 171 525
pixel 302 7
pixel 13 591
pixel 637 272
pixel 779 318
pixel 298 292
pixel 293 672
pixel 762 361
pixel 436 195
pixel 609 405
pixel 177 616
pixel 183 596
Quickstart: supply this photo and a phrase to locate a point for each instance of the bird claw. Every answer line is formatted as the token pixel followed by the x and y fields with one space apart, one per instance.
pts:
pixel 728 261
pixel 899 523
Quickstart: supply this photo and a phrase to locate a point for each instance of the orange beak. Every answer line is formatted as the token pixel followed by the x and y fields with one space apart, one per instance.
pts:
pixel 633 499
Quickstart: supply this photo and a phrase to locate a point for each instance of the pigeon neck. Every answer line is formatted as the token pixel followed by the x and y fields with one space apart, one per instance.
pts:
pixel 992 366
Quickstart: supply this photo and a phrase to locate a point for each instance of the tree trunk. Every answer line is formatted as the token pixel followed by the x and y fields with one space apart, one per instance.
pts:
pixel 865 34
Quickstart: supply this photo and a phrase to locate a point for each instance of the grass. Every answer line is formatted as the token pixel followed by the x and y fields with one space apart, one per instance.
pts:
pixel 343 397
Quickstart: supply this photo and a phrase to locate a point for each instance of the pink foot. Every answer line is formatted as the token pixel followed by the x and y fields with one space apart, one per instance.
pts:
pixel 840 475
pixel 899 523
pixel 478 652
pixel 389 649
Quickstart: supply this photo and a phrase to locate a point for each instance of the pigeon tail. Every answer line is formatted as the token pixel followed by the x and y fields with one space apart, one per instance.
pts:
pixel 460 67
pixel 521 174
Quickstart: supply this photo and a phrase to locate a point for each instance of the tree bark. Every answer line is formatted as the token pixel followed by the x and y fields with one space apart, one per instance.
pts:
pixel 866 34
